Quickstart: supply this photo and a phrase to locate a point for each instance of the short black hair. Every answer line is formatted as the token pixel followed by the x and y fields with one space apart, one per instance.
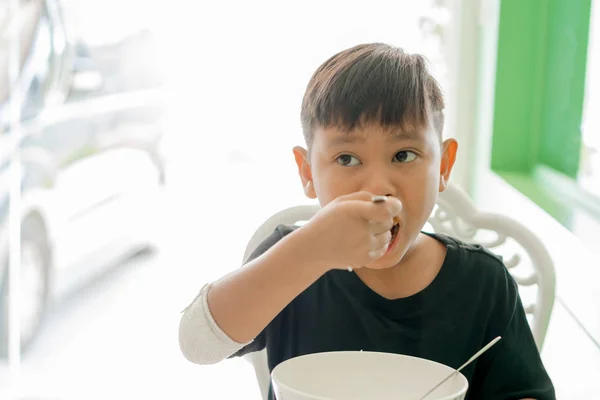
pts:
pixel 368 83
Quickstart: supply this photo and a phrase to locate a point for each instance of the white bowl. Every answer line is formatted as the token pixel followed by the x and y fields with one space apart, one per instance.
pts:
pixel 353 375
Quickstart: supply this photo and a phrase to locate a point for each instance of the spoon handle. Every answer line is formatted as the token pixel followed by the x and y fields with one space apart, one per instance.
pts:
pixel 480 352
pixel 475 356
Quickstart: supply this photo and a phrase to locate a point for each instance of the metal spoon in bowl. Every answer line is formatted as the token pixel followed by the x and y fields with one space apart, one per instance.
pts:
pixel 480 352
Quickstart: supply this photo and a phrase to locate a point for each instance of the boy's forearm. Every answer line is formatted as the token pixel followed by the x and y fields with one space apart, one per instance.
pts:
pixel 245 301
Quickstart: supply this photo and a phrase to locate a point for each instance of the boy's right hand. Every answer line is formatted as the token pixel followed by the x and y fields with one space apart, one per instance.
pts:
pixel 351 231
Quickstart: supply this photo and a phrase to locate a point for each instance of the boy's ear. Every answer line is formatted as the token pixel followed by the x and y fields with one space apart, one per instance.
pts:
pixel 449 149
pixel 301 156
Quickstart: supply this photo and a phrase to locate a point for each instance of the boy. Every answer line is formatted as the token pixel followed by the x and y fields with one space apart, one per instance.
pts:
pixel 372 118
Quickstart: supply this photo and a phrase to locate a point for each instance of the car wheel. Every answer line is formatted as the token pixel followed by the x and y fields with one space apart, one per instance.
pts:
pixel 34 285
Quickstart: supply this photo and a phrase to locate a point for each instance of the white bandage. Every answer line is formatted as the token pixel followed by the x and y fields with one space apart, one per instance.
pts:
pixel 200 339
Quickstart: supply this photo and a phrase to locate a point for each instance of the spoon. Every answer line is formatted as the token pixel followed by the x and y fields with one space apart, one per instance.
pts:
pixel 480 352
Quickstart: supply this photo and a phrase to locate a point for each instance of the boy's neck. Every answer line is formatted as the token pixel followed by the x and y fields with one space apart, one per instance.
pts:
pixel 417 269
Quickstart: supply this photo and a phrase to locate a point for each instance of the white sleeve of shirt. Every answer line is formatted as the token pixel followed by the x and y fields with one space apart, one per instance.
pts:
pixel 200 339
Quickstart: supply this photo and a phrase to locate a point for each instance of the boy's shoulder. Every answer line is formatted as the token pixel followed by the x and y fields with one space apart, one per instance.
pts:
pixel 471 250
pixel 474 251
pixel 477 263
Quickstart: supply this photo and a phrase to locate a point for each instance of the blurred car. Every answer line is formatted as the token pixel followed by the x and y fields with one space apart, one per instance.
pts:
pixel 90 145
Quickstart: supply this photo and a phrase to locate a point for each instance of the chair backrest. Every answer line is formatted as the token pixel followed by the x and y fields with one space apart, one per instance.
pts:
pixel 455 215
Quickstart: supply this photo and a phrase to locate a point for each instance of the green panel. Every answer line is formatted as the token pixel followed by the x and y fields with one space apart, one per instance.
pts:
pixel 540 82
pixel 568 33
pixel 519 82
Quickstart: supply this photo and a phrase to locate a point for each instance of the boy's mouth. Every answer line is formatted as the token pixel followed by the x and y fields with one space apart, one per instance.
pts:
pixel 395 229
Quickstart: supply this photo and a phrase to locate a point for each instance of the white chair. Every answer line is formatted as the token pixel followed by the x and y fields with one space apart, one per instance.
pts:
pixel 455 215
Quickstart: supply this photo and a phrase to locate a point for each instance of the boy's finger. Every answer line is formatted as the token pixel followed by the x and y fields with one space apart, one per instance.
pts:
pixel 395 205
pixel 383 210
pixel 371 212
pixel 380 227
pixel 362 196
pixel 381 240
pixel 367 210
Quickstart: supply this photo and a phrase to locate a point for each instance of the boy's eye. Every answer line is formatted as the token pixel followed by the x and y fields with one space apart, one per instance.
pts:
pixel 405 156
pixel 347 160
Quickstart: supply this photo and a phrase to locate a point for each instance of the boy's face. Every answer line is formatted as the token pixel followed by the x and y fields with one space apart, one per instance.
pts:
pixel 411 165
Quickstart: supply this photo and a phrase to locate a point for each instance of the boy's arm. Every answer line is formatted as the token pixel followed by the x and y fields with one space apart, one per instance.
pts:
pixel 351 230
pixel 201 338
pixel 245 301
pixel 354 229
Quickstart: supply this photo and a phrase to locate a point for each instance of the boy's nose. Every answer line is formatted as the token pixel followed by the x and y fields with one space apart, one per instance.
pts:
pixel 380 186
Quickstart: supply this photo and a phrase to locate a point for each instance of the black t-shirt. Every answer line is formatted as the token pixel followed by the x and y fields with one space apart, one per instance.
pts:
pixel 472 300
